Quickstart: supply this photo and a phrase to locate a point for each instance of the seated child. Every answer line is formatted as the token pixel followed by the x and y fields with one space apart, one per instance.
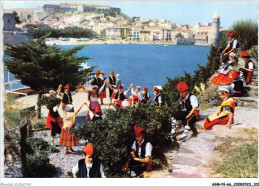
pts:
pixel 237 85
pixel 225 113
pixel 88 167
pixel 187 112
pixel 140 154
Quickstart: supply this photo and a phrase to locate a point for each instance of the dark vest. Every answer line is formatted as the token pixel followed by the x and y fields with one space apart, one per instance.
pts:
pixel 94 171
pixel 53 114
pixel 187 104
pixel 142 149
pixel 120 96
pixel 231 45
pixel 238 85
pixel 67 99
pixel 157 98
pixel 112 80
pixel 247 64
pixel 97 81
pixel 146 96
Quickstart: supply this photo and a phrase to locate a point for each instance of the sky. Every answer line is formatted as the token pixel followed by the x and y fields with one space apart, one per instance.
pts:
pixel 188 12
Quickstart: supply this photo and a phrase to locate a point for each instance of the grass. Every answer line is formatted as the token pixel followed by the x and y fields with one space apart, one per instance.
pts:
pixel 240 156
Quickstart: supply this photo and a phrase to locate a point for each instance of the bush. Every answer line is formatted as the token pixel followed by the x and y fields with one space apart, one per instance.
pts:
pixel 246 32
pixel 39 125
pixel 37 158
pixel 114 136
pixel 254 52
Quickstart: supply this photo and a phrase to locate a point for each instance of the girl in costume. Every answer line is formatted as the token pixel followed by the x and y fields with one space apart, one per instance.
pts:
pixel 93 96
pixel 68 139
pixel 103 93
pixel 224 76
pixel 225 113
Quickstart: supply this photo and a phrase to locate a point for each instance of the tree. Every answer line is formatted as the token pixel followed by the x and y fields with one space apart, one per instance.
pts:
pixel 17 18
pixel 43 67
pixel 246 32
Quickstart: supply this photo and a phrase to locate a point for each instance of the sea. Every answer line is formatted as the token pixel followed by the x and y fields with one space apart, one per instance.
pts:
pixel 142 65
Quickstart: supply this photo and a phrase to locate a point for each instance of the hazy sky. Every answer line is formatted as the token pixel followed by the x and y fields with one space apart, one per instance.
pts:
pixel 176 11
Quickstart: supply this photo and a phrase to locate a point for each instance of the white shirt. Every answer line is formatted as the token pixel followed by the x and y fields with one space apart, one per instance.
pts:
pixel 159 99
pixel 250 65
pixel 139 94
pixel 148 149
pixel 75 169
pixel 234 43
pixel 193 100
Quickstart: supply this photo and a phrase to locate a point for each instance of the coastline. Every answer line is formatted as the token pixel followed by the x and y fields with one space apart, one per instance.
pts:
pixel 104 42
pixel 116 42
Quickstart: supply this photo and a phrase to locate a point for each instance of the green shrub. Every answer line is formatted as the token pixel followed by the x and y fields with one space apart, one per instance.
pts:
pixel 39 125
pixel 253 52
pixel 246 32
pixel 114 136
pixel 37 158
pixel 242 164
pixel 39 166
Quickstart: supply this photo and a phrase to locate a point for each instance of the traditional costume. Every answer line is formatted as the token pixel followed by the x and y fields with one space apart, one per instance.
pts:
pixel 248 65
pixel 89 170
pixel 237 84
pixel 112 81
pixel 141 150
pixel 146 95
pixel 67 138
pixel 66 97
pixel 157 98
pixel 103 93
pixel 223 115
pixel 187 104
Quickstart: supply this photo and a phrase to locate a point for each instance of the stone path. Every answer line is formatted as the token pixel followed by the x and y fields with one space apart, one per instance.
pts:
pixel 193 156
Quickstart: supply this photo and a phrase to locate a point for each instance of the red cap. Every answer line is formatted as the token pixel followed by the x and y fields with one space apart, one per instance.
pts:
pixel 244 54
pixel 155 89
pixel 120 86
pixel 235 75
pixel 145 88
pixel 111 72
pixel 89 149
pixel 138 129
pixel 67 86
pixel 230 34
pixel 97 72
pixel 182 86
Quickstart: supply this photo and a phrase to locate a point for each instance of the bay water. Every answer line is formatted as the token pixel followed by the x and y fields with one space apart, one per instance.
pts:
pixel 142 65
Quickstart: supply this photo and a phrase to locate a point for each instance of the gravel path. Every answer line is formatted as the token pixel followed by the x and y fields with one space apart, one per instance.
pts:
pixel 63 162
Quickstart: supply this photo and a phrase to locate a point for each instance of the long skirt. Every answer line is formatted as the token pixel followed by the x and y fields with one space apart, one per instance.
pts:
pixel 67 138
pixel 209 124
pixel 221 79
pixel 103 94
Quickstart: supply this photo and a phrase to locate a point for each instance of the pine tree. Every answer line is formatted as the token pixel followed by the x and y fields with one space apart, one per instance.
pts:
pixel 43 67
